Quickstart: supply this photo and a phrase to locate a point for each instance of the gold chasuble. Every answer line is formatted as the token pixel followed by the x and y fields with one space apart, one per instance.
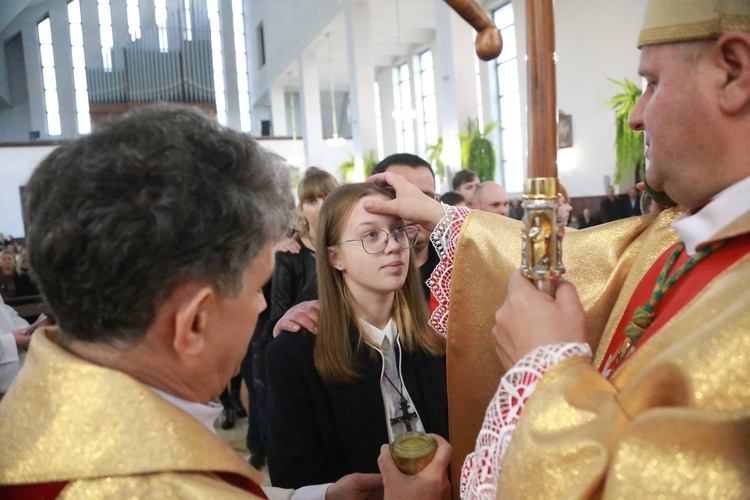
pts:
pixel 604 263
pixel 102 434
pixel 677 409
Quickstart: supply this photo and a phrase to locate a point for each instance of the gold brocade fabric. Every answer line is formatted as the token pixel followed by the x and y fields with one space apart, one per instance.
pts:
pixel 673 421
pixel 605 264
pixel 65 419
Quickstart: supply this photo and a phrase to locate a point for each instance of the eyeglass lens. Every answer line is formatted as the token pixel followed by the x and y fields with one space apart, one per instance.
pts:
pixel 406 237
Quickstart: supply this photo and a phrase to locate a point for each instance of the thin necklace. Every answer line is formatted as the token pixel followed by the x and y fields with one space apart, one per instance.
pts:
pixel 406 416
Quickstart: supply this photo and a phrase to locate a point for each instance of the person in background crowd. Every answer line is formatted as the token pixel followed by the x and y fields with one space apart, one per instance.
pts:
pixel 563 211
pixel 13 344
pixel 491 197
pixel 609 207
pixel 465 183
pixel 516 210
pixel 22 263
pixel 453 198
pixel 587 220
pixel 632 206
pixel 13 284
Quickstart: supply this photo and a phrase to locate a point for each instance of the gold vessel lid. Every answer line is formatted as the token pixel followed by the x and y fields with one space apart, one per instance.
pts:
pixel 540 188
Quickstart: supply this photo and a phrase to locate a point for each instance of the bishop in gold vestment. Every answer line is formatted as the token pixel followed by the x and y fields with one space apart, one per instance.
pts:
pixel 669 417
pixel 678 410
pixel 666 412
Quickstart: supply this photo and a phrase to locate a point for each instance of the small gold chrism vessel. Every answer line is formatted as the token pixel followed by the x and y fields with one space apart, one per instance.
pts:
pixel 412 451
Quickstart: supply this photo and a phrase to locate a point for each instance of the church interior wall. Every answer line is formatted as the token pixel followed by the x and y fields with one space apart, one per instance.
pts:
pixel 594 40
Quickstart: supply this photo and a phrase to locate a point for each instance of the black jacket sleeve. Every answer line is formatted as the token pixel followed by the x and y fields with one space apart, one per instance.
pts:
pixel 298 445
pixel 285 285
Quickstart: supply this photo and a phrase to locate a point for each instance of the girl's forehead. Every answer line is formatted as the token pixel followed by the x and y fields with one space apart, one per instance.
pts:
pixel 359 215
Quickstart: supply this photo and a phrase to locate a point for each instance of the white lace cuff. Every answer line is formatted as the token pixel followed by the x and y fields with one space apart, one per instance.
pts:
pixel 443 238
pixel 481 468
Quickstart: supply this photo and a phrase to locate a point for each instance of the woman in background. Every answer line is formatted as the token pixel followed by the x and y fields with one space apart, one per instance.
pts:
pixel 375 368
pixel 13 284
pixel 295 271
pixel 564 209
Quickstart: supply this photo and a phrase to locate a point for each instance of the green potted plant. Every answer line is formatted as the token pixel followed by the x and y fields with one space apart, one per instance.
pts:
pixel 434 152
pixel 477 151
pixel 629 144
pixel 348 170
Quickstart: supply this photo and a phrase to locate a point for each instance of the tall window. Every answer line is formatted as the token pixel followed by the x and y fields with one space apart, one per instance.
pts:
pixel 160 16
pixel 212 6
pixel 79 68
pixel 509 101
pixel 478 84
pixel 404 113
pixel 188 21
pixel 134 19
pixel 379 121
pixel 427 95
pixel 105 33
pixel 240 48
pixel 49 82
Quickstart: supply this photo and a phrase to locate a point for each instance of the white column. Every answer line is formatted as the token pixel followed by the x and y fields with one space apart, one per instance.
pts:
pixel 92 41
pixel 312 126
pixel 230 64
pixel 278 110
pixel 387 105
pixel 361 77
pixel 58 16
pixel 90 16
pixel 34 83
pixel 148 15
pixel 455 89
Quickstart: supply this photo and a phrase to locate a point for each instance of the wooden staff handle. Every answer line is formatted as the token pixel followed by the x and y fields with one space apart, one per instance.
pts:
pixel 489 42
pixel 542 89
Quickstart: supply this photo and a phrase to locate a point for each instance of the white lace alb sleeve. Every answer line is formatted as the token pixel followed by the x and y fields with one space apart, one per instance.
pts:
pixel 444 238
pixel 481 468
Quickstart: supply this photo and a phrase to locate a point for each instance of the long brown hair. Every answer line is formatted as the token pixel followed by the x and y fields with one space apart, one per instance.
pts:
pixel 334 353
pixel 315 184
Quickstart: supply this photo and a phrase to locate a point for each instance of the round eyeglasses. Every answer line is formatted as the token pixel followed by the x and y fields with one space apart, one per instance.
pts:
pixel 376 240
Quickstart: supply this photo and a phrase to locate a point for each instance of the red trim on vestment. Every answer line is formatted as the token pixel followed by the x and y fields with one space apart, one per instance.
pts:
pixel 49 491
pixel 243 483
pixel 682 292
pixel 35 491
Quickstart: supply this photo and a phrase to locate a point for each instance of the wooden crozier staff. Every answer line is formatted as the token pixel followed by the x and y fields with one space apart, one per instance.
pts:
pixel 541 259
pixel 469 391
pixel 542 237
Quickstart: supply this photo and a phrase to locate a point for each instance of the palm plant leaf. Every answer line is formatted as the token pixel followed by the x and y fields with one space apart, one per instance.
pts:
pixel 434 152
pixel 629 144
pixel 477 151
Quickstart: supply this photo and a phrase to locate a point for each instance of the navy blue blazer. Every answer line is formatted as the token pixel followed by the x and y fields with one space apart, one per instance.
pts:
pixel 321 432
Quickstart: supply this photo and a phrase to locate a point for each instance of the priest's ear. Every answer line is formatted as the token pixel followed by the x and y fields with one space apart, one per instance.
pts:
pixel 735 59
pixel 192 303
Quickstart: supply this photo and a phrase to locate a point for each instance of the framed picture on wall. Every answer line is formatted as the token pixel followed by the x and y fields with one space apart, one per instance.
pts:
pixel 564 130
